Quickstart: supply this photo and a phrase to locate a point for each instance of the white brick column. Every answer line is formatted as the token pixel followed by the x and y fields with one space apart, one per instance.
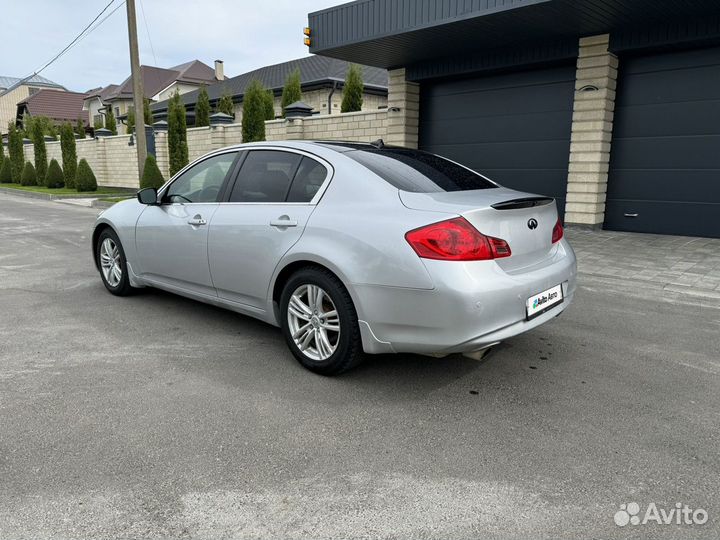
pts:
pixel 592 125
pixel 295 129
pixel 162 156
pixel 403 110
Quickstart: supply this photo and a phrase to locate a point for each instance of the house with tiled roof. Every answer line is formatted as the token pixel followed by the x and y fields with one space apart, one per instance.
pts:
pixel 321 80
pixel 57 105
pixel 158 85
pixel 14 90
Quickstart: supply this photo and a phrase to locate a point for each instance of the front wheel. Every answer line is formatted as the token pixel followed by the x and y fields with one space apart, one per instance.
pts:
pixel 112 264
pixel 319 322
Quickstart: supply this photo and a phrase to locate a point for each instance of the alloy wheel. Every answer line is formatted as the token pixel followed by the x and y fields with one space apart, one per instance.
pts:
pixel 110 262
pixel 314 322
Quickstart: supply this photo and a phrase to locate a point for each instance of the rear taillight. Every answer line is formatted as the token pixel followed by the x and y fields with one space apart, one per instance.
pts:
pixel 557 232
pixel 456 240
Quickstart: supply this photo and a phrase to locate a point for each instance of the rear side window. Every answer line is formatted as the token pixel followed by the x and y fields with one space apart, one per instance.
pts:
pixel 310 176
pixel 265 176
pixel 418 172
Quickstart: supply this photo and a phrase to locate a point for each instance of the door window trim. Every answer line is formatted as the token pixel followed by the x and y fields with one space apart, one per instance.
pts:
pixel 232 172
pixel 225 200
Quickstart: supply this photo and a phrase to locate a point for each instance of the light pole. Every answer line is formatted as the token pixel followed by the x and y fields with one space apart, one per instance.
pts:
pixel 138 96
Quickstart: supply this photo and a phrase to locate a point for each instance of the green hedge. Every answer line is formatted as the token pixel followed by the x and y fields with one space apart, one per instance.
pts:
pixel 54 178
pixel 28 176
pixel 85 179
pixel 152 177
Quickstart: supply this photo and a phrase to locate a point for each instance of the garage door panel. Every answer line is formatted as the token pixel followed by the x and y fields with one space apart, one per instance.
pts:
pixel 688 219
pixel 665 185
pixel 513 127
pixel 506 101
pixel 665 160
pixel 532 155
pixel 689 153
pixel 516 128
pixel 686 118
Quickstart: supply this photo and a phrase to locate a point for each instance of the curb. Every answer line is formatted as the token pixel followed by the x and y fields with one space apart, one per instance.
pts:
pixel 53 197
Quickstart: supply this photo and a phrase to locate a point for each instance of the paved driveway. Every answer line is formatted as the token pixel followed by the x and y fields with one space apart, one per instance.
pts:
pixel 154 416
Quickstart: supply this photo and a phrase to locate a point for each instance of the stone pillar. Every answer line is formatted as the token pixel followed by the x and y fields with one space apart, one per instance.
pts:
pixel 161 152
pixel 403 122
pixel 295 129
pixel 592 125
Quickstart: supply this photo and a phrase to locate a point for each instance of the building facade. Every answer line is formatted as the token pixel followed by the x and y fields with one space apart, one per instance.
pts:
pixel 13 90
pixel 612 108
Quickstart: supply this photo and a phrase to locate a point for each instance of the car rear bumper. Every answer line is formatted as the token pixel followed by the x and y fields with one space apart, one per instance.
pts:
pixel 473 305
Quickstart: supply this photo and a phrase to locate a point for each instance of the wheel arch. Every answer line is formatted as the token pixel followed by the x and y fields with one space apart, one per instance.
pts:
pixel 95 237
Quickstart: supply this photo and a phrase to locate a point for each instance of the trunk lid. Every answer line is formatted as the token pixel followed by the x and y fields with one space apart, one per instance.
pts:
pixel 502 213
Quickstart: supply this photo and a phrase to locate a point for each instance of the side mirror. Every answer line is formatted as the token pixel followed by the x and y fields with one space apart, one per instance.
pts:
pixel 147 196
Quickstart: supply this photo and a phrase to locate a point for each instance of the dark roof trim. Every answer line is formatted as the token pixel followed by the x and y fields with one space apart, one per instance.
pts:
pixel 673 34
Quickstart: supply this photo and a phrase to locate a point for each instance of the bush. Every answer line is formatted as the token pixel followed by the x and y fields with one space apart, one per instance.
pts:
pixel 130 120
pixel 41 163
pixel 5 172
pixel 225 104
pixel 292 91
pixel 54 178
pixel 177 134
pixel 353 90
pixel 69 154
pixel 152 177
pixel 80 128
pixel 2 152
pixel 16 152
pixel 29 176
pixel 85 178
pixel 202 108
pixel 253 121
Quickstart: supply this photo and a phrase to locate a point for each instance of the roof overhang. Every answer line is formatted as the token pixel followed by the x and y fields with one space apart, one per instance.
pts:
pixel 396 33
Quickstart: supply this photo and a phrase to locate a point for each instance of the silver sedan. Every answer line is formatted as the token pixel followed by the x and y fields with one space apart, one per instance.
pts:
pixel 350 248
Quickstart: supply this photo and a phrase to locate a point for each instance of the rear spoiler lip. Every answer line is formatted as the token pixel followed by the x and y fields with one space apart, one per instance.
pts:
pixel 523 202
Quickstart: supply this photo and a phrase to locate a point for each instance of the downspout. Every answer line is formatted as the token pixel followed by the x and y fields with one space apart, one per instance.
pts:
pixel 330 95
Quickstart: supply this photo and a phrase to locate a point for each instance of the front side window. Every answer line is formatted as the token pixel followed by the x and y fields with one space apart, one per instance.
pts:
pixel 202 182
pixel 417 171
pixel 265 176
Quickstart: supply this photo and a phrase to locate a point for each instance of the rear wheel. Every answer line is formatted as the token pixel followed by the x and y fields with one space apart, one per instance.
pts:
pixel 319 322
pixel 112 263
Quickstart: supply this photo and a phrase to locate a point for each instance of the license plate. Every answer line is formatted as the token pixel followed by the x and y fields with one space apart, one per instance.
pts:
pixel 540 303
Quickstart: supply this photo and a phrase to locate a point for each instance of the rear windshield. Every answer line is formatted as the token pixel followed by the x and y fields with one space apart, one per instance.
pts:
pixel 418 172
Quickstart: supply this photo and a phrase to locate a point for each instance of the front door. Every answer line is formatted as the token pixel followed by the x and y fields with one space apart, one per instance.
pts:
pixel 265 215
pixel 172 237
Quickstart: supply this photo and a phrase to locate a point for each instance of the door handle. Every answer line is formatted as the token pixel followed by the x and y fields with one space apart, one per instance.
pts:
pixel 197 221
pixel 283 223
pixel 631 215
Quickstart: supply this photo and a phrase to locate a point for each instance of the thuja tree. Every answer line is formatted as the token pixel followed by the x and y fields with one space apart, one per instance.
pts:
pixel 41 164
pixel 16 152
pixel 253 121
pixel 292 91
pixel 177 134
pixel 202 108
pixel 110 121
pixel 225 104
pixel 353 90
pixel 69 154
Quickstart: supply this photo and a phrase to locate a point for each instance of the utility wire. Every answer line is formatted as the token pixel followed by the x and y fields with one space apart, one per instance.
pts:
pixel 147 29
pixel 67 48
pixel 105 18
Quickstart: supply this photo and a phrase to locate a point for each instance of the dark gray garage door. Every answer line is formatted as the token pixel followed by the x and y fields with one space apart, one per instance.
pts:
pixel 514 128
pixel 665 158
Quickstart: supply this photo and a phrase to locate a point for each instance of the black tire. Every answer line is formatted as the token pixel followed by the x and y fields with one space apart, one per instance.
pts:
pixel 348 352
pixel 122 288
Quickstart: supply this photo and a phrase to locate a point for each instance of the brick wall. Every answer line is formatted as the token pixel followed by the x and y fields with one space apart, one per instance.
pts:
pixel 115 163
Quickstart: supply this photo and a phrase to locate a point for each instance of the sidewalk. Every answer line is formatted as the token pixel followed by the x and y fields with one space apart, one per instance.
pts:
pixel 677 268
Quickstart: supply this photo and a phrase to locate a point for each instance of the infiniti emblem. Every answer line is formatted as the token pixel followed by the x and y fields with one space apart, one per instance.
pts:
pixel 532 224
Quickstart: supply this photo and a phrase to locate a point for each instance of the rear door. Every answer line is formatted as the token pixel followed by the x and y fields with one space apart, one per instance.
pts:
pixel 264 215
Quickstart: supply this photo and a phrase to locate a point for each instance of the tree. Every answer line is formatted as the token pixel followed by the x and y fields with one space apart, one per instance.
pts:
pixel 46 125
pixel 225 104
pixel 80 128
pixel 152 177
pixel 253 121
pixel 110 122
pixel 85 179
pixel 269 105
pixel 5 172
pixel 41 163
pixel 28 176
pixel 353 90
pixel 69 154
pixel 16 152
pixel 148 117
pixel 292 91
pixel 98 123
pixel 177 134
pixel 202 108
pixel 54 177
pixel 130 121
pixel 2 152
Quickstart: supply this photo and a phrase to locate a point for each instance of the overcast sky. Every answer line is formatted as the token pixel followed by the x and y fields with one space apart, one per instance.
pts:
pixel 246 34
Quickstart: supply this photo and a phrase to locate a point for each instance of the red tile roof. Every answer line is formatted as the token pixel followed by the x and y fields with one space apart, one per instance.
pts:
pixel 56 105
